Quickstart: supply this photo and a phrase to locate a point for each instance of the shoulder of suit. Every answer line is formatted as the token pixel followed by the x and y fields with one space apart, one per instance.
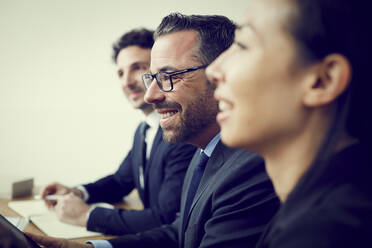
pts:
pixel 237 155
pixel 179 147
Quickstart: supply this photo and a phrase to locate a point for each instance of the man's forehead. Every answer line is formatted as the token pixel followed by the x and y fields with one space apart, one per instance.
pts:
pixel 174 50
pixel 133 54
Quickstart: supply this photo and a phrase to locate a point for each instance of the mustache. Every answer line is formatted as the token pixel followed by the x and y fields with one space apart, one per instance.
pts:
pixel 135 88
pixel 167 104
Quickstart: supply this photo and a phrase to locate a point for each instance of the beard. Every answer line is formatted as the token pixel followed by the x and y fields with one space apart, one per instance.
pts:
pixel 195 117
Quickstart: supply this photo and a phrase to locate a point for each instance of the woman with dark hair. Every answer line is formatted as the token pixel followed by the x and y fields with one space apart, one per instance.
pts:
pixel 294 87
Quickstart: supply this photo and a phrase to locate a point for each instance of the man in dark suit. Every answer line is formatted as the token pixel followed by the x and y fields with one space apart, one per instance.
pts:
pixel 227 198
pixel 154 167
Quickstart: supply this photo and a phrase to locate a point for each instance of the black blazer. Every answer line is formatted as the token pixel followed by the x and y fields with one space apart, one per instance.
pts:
pixel 163 176
pixel 335 212
pixel 233 204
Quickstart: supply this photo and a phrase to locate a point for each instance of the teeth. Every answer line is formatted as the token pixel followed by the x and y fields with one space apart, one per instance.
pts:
pixel 167 114
pixel 224 106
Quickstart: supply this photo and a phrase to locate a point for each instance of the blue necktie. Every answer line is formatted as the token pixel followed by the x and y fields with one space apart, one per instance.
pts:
pixel 195 181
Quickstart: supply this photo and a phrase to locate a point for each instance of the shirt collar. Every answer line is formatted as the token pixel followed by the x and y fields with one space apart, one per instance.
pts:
pixel 212 144
pixel 152 119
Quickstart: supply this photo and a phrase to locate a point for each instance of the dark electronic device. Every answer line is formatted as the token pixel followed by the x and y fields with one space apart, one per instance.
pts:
pixel 12 237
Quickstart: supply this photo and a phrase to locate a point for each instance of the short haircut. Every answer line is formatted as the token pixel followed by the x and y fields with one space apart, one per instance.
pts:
pixel 215 33
pixel 137 37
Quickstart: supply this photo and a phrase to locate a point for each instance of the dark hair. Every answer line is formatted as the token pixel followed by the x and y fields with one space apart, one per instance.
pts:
pixel 215 33
pixel 321 28
pixel 137 37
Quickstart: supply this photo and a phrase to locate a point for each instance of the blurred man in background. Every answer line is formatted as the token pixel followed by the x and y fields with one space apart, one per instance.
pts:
pixel 153 167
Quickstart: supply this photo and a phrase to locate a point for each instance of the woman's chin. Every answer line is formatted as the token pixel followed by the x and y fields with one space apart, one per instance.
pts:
pixel 229 138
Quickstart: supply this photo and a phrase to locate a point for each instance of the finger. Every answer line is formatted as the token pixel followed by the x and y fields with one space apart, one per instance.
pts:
pixel 46 191
pixel 49 189
pixel 50 204
pixel 71 195
pixel 46 241
pixel 58 209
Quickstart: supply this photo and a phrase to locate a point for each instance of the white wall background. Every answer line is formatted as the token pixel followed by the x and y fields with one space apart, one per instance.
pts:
pixel 63 116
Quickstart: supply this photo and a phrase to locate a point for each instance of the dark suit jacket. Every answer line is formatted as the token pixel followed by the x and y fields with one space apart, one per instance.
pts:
pixel 233 204
pixel 163 175
pixel 336 211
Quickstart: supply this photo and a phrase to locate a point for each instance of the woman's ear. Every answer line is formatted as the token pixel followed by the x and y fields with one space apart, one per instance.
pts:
pixel 333 75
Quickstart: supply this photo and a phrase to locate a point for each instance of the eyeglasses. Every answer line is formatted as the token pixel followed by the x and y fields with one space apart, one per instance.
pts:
pixel 164 79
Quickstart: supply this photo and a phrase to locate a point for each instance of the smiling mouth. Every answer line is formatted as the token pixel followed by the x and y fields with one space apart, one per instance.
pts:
pixel 135 94
pixel 167 117
pixel 136 91
pixel 225 111
pixel 168 114
pixel 224 106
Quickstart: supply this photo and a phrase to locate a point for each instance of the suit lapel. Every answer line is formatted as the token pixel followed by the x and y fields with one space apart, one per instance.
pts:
pixel 215 162
pixel 188 177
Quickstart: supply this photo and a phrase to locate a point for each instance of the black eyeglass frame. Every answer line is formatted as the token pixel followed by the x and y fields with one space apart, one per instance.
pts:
pixel 170 74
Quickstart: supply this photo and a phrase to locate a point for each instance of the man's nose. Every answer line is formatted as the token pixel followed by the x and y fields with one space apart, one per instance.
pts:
pixel 153 93
pixel 128 81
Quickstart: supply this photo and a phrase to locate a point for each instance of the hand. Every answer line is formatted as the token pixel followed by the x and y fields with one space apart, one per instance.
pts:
pixel 72 209
pixel 50 242
pixel 54 189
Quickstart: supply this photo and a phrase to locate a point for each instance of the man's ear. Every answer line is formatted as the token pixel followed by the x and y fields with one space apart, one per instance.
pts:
pixel 333 74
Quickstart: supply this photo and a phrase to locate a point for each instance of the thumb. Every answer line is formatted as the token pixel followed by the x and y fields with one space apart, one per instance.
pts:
pixel 48 242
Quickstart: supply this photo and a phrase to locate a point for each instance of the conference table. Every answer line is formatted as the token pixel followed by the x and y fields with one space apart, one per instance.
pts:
pixel 131 201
